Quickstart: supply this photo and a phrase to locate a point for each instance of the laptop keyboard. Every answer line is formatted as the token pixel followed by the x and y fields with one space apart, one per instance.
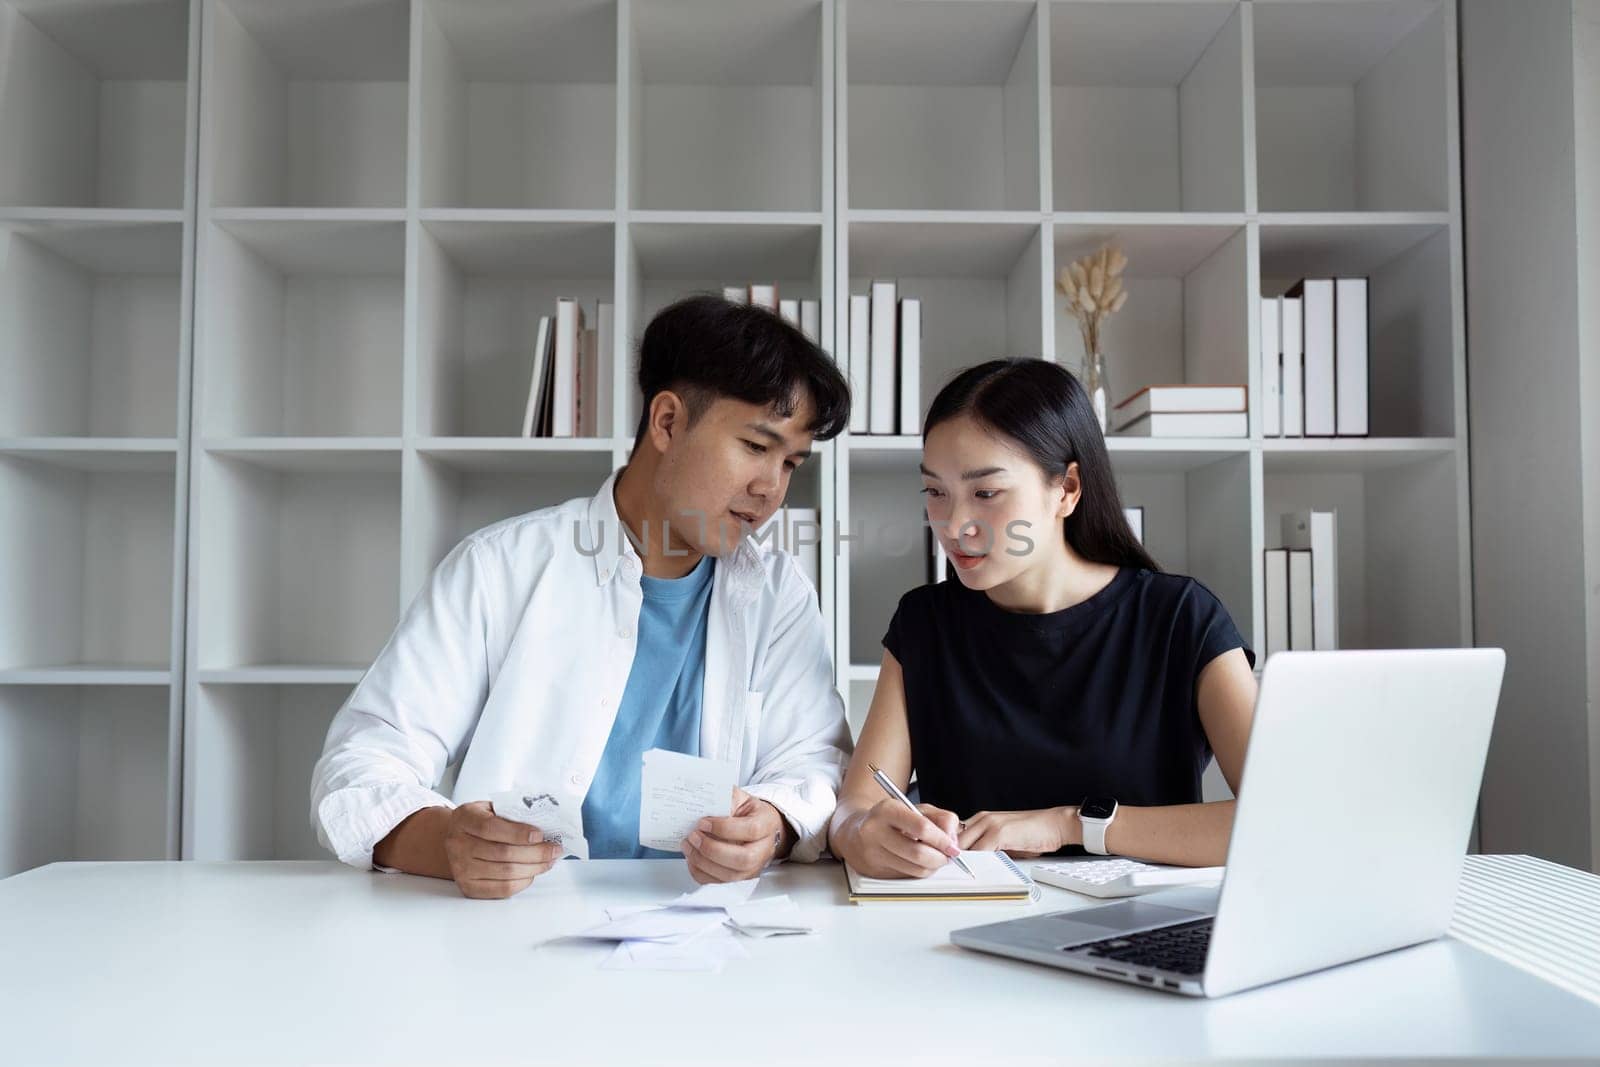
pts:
pixel 1180 949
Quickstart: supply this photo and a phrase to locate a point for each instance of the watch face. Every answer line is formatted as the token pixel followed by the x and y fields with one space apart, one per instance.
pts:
pixel 1097 808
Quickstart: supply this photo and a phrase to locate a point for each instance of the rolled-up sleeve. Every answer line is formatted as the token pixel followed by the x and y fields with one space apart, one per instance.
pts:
pixel 804 740
pixel 409 718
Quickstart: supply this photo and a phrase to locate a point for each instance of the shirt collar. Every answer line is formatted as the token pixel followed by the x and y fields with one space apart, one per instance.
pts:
pixel 741 571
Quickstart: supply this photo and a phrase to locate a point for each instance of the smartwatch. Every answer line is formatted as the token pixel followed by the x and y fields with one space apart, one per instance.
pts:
pixel 1096 815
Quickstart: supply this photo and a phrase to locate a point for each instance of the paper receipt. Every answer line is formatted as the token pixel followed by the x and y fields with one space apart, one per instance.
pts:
pixel 559 824
pixel 678 791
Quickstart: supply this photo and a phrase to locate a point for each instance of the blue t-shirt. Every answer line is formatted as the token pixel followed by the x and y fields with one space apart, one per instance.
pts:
pixel 660 709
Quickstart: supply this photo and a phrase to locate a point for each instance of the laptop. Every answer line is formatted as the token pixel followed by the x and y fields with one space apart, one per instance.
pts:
pixel 1359 788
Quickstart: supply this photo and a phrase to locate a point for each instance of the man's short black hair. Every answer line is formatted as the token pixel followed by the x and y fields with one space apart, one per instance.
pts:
pixel 703 347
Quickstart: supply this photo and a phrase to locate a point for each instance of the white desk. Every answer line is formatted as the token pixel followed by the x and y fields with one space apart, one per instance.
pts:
pixel 311 962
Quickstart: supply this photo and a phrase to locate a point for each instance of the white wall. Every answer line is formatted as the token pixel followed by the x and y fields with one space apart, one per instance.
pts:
pixel 1520 170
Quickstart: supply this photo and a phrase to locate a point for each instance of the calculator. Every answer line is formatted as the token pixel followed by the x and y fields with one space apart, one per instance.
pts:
pixel 1121 877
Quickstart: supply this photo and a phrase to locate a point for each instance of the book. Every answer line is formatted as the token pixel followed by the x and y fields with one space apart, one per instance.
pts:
pixel 882 377
pixel 1350 356
pixel 1189 424
pixel 1301 637
pixel 995 877
pixel 938 558
pixel 789 311
pixel 811 320
pixel 858 350
pixel 1135 519
pixel 541 355
pixel 588 369
pixel 1316 296
pixel 736 294
pixel 1271 367
pixel 1276 595
pixel 564 401
pixel 1291 320
pixel 1318 532
pixel 764 296
pixel 910 365
pixel 1181 399
pixel 605 375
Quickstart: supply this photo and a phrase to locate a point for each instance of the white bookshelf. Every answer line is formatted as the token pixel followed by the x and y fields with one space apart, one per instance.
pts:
pixel 362 210
pixel 1229 149
pixel 97 114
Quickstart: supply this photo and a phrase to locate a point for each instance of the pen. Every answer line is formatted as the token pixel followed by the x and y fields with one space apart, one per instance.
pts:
pixel 890 788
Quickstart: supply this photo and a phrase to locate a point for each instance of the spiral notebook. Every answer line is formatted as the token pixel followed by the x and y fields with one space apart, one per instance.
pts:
pixel 995 878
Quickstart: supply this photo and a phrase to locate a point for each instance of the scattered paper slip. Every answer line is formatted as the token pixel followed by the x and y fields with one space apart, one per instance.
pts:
pixel 676 792
pixel 563 826
pixel 699 931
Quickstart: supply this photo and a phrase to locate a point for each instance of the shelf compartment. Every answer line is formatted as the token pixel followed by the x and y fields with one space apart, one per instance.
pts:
pixel 302 329
pixel 1352 105
pixel 1147 106
pixel 482 287
pixel 1399 543
pixel 300 558
pixel 942 105
pixel 305 103
pixel 83 772
pixel 980 284
pixel 1411 315
pixel 519 104
pixel 94 104
pixel 90 329
pixel 254 750
pixel 86 560
pixel 726 105
pixel 1188 311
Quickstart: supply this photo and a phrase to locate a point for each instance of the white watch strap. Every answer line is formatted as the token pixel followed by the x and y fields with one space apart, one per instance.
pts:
pixel 1094 833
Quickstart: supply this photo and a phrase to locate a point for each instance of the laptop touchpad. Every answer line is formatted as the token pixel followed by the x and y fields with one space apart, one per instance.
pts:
pixel 1095 924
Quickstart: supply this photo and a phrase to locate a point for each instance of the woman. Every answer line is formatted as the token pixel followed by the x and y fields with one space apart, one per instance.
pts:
pixel 1060 666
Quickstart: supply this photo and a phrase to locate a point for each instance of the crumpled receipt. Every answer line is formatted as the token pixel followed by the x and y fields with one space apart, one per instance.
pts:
pixel 562 825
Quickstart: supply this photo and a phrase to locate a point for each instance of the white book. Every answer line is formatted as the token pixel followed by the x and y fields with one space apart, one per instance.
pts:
pixel 789 311
pixel 1318 531
pixel 811 320
pixel 605 385
pixel 1178 399
pixel 1276 586
pixel 938 558
pixel 1135 517
pixel 764 296
pixel 881 378
pixel 541 350
pixel 1294 366
pixel 910 365
pixel 588 368
pixel 1317 324
pixel 1271 367
pixel 1301 615
pixel 736 294
pixel 1350 356
pixel 569 325
pixel 1189 424
pixel 859 349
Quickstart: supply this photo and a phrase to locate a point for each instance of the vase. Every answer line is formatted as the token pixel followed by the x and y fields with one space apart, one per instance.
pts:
pixel 1097 384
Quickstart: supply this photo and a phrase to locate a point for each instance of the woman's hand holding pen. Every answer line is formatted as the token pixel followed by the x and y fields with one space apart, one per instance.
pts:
pixel 889 840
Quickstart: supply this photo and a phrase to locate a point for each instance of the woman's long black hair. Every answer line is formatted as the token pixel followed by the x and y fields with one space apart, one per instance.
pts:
pixel 1042 407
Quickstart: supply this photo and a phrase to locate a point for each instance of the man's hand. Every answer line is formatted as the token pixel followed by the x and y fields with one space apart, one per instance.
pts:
pixel 738 846
pixel 493 858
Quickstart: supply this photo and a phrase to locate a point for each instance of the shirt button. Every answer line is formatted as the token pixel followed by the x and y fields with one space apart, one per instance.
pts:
pixel 576 779
pixel 625 632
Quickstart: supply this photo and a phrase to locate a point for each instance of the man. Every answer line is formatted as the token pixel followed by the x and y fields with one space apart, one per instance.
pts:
pixel 550 651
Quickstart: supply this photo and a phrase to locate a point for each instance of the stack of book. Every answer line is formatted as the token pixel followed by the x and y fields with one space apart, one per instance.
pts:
pixel 570 392
pixel 1302 585
pixel 1184 411
pixel 885 361
pixel 797 531
pixel 1314 359
pixel 804 315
